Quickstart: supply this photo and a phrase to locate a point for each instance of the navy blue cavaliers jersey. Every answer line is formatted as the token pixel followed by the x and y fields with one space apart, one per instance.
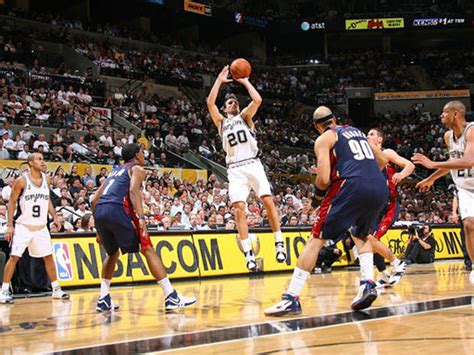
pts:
pixel 117 185
pixel 352 155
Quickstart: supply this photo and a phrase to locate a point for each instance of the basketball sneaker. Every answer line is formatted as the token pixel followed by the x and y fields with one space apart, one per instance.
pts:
pixel 105 304
pixel 280 252
pixel 175 301
pixel 250 261
pixel 60 294
pixel 384 281
pixel 366 295
pixel 6 297
pixel 397 273
pixel 288 305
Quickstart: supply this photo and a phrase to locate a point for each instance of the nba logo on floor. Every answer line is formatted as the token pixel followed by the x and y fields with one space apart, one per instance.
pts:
pixel 63 261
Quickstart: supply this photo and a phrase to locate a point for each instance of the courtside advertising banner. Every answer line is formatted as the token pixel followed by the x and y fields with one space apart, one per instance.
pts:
pixel 13 168
pixel 79 259
pixel 375 24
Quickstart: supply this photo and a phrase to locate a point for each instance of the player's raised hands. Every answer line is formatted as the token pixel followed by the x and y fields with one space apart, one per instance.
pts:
pixel 242 81
pixel 424 185
pixel 223 76
pixel 422 159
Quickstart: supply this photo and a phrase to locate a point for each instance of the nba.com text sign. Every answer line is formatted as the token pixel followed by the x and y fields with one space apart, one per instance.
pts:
pixel 375 24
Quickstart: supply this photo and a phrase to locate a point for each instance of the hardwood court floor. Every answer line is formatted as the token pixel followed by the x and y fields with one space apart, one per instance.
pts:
pixel 431 310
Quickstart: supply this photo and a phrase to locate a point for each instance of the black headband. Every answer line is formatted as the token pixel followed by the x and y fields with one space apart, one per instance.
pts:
pixel 323 119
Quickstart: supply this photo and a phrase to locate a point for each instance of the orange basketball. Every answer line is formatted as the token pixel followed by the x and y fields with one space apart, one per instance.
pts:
pixel 240 68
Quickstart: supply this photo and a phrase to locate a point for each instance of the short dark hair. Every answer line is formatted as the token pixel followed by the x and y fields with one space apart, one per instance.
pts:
pixel 129 151
pixel 379 132
pixel 228 96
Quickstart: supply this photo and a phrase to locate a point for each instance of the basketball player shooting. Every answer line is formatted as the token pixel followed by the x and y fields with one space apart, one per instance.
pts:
pixel 30 230
pixel 460 141
pixel 244 169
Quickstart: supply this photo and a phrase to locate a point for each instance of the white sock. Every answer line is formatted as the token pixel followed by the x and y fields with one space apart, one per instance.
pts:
pixel 278 236
pixel 366 262
pixel 297 281
pixel 5 287
pixel 246 245
pixel 395 262
pixel 104 287
pixel 55 285
pixel 386 273
pixel 165 284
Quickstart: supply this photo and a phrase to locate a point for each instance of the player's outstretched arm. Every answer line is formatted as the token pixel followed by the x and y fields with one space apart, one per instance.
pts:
pixel 425 184
pixel 249 112
pixel 407 166
pixel 18 187
pixel 465 162
pixel 212 98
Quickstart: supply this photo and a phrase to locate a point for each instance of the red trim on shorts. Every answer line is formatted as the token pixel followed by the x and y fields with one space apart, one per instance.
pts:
pixel 325 207
pixel 145 240
pixel 387 220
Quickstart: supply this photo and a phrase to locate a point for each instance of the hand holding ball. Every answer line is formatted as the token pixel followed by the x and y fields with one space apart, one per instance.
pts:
pixel 240 68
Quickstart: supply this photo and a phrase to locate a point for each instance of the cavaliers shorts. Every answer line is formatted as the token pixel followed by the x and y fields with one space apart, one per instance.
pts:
pixel 351 204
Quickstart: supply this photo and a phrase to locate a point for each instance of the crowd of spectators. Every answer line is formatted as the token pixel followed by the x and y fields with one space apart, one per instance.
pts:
pixel 174 203
pixel 330 9
pixel 183 124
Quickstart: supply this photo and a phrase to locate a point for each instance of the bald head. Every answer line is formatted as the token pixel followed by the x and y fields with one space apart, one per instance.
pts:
pixel 33 156
pixel 456 106
pixel 321 111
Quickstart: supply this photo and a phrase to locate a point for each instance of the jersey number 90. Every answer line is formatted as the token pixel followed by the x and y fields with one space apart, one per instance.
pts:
pixel 361 149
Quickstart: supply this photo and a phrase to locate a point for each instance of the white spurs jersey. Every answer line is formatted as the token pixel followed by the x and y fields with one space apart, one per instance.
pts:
pixel 238 140
pixel 463 178
pixel 34 203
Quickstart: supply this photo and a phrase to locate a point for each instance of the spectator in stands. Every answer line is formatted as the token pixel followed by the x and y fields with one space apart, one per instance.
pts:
pixel 7 189
pixel 182 141
pixel 41 142
pixel 79 146
pixel 204 149
pixel 62 226
pixel 170 139
pixel 87 223
pixel 99 177
pixel 25 153
pixel 6 128
pixel 4 154
pixel 7 142
pixel 90 136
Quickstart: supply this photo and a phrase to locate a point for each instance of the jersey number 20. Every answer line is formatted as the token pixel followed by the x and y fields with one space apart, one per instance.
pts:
pixel 361 149
pixel 239 137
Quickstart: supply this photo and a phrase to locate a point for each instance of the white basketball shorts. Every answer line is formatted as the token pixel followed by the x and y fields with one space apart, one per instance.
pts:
pixel 38 242
pixel 466 202
pixel 246 176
